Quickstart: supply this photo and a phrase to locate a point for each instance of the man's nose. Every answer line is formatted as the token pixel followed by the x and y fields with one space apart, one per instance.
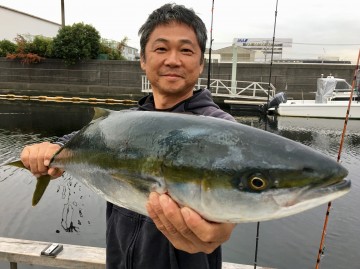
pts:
pixel 173 58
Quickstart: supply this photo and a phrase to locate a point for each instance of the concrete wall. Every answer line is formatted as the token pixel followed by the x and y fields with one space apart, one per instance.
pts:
pixel 122 79
pixel 95 78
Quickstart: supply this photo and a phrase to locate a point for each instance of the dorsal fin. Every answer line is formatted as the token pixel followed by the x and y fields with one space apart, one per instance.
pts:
pixel 100 112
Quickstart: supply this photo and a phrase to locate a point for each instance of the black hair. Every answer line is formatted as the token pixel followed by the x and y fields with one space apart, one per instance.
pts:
pixel 169 13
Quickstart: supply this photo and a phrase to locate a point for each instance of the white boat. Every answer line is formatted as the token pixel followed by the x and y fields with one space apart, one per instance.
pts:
pixel 331 101
pixel 308 108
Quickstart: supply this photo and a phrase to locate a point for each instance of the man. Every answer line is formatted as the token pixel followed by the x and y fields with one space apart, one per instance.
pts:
pixel 173 41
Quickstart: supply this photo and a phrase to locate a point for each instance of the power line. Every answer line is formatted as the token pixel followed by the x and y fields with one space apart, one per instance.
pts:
pixel 322 44
pixel 301 43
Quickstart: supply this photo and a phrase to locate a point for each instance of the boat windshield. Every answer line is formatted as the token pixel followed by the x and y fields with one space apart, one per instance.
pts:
pixel 342 86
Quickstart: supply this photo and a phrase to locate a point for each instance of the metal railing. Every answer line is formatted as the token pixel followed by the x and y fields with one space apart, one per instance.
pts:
pixel 242 89
pixel 222 88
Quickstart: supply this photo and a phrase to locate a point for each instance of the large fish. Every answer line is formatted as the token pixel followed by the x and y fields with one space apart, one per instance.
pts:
pixel 226 171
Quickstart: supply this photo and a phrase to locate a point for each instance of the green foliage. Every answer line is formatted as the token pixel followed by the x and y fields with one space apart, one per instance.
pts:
pixel 116 55
pixel 77 42
pixel 72 44
pixel 113 49
pixel 42 46
pixel 105 47
pixel 6 47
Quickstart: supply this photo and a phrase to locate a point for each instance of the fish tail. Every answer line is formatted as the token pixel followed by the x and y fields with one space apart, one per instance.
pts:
pixel 17 164
pixel 41 184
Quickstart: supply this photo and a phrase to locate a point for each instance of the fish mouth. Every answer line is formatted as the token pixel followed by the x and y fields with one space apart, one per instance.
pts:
pixel 312 196
pixel 344 183
pixel 341 185
pixel 329 192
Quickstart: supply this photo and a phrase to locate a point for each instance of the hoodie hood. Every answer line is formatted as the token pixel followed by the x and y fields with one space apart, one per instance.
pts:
pixel 201 103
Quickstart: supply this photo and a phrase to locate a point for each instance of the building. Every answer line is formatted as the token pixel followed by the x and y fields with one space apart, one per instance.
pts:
pixel 251 50
pixel 225 55
pixel 265 47
pixel 15 22
pixel 130 53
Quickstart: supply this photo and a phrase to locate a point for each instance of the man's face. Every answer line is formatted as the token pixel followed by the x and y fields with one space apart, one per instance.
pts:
pixel 172 60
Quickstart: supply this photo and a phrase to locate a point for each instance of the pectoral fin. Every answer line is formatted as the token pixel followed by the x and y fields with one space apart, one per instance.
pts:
pixel 140 183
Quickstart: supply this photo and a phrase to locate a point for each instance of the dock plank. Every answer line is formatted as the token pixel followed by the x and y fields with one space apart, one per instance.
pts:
pixel 72 256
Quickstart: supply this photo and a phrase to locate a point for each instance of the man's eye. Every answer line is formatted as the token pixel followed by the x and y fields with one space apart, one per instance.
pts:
pixel 187 51
pixel 161 49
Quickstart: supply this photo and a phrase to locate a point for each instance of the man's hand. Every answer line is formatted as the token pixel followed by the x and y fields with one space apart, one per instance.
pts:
pixel 37 158
pixel 184 228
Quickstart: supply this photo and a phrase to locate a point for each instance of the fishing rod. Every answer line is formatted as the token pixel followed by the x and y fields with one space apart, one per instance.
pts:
pixel 211 40
pixel 321 247
pixel 257 243
pixel 269 86
pixel 272 51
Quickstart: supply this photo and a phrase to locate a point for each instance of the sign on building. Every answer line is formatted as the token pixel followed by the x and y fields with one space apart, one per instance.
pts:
pixel 264 44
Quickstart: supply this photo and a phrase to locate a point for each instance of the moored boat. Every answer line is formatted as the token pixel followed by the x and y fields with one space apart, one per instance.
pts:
pixel 331 101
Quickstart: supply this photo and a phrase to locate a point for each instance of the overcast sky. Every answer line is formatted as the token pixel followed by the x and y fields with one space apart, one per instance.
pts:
pixel 317 27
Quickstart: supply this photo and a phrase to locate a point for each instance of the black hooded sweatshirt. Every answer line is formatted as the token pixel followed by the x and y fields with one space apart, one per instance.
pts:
pixel 132 239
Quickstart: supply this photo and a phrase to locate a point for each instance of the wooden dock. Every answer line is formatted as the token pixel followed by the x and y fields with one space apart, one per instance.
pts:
pixel 17 251
pixel 246 105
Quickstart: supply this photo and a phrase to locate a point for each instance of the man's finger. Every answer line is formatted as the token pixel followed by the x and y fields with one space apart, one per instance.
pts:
pixel 49 153
pixel 206 231
pixel 24 156
pixel 55 172
pixel 166 215
pixel 158 216
pixel 173 218
pixel 42 149
pixel 33 160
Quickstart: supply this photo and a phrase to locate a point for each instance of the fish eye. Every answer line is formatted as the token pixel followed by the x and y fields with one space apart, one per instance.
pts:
pixel 257 182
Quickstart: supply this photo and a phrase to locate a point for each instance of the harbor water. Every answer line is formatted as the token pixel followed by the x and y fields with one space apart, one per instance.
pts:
pixel 70 213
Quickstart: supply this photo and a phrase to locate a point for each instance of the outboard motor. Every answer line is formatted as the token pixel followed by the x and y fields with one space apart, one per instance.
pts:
pixel 273 103
pixel 277 99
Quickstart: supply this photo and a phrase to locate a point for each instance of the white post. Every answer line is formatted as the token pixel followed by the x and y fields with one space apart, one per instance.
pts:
pixel 234 66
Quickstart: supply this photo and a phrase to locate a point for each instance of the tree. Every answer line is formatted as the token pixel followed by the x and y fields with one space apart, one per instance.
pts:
pixel 77 42
pixel 42 46
pixel 6 47
pixel 113 49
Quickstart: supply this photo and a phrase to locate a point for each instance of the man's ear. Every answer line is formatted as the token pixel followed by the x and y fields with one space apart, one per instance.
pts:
pixel 142 61
pixel 202 67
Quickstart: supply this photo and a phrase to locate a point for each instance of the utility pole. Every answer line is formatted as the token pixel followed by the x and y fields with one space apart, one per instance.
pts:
pixel 210 48
pixel 62 13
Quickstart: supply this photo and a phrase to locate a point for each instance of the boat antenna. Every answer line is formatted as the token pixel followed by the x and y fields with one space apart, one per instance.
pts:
pixel 272 52
pixel 321 248
pixel 210 47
